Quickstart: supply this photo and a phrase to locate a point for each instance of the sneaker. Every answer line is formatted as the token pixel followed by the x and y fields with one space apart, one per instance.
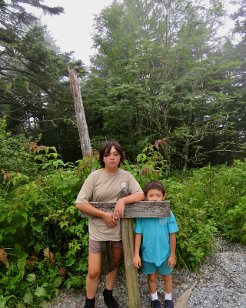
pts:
pixel 90 303
pixel 109 300
pixel 168 303
pixel 155 304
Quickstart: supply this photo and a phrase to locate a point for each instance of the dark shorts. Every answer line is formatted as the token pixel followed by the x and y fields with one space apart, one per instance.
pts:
pixel 95 246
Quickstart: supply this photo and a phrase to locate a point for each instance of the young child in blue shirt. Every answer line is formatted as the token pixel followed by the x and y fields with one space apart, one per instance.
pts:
pixel 157 239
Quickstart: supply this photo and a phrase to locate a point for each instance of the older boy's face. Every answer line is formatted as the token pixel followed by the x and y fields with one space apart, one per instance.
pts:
pixel 112 160
pixel 155 195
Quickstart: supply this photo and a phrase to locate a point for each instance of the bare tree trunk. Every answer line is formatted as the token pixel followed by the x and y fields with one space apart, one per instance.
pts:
pixel 85 142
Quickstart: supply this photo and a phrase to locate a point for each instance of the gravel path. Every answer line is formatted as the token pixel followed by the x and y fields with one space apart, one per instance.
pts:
pixel 220 283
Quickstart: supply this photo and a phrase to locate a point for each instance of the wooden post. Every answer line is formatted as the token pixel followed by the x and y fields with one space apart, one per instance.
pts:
pixel 85 142
pixel 130 270
pixel 139 209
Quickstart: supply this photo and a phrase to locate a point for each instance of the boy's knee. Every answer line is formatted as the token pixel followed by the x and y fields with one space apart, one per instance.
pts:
pixel 152 278
pixel 167 278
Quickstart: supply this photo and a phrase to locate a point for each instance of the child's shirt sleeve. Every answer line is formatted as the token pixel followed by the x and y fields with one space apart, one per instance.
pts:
pixel 172 224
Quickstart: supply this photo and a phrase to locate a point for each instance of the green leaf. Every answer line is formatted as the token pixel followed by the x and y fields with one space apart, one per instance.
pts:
pixel 31 278
pixel 24 214
pixel 2 301
pixel 57 282
pixel 28 297
pixel 40 291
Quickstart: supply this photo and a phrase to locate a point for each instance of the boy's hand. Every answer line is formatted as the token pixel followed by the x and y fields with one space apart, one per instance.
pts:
pixel 109 220
pixel 137 261
pixel 119 209
pixel 171 261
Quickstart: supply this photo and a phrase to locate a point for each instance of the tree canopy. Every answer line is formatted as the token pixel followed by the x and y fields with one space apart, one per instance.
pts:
pixel 161 73
pixel 35 93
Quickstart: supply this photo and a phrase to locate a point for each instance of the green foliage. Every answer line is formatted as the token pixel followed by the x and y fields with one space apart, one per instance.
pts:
pixel 195 238
pixel 16 162
pixel 44 241
pixel 210 201
pixel 162 71
pixel 150 164
pixel 236 217
pixel 41 228
pixel 221 191
pixel 35 91
pixel 29 282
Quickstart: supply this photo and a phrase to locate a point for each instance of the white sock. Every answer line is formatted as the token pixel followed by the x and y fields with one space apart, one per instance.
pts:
pixel 168 296
pixel 154 296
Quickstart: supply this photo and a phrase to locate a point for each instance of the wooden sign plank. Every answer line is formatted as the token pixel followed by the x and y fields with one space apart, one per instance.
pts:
pixel 138 209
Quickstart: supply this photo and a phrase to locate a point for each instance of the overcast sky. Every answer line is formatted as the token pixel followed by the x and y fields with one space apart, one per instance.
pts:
pixel 72 30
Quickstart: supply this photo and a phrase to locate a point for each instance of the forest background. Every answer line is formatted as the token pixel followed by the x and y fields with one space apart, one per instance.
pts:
pixel 164 84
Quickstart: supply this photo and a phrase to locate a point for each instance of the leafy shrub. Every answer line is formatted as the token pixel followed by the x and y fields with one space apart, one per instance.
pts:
pixel 28 282
pixel 195 236
pixel 150 165
pixel 235 227
pixel 220 191
pixel 16 158
pixel 43 229
pixel 44 240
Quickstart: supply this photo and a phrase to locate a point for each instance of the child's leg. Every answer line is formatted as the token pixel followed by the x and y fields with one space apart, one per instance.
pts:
pixel 168 287
pixel 152 283
pixel 168 283
pixel 155 303
pixel 148 268
pixel 153 286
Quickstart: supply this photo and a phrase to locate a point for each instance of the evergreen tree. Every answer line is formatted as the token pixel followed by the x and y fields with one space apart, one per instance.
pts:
pixel 160 72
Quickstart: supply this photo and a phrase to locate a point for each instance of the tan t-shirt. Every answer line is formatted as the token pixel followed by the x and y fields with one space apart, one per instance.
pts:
pixel 101 186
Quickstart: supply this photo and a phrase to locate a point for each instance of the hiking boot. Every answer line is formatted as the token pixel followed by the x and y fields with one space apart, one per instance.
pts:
pixel 155 304
pixel 109 300
pixel 89 303
pixel 168 303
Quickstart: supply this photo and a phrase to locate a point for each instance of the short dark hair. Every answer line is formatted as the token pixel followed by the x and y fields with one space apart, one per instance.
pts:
pixel 154 185
pixel 105 149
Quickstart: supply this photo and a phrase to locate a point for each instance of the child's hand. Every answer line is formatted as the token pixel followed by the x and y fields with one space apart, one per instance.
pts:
pixel 109 220
pixel 137 261
pixel 119 209
pixel 171 261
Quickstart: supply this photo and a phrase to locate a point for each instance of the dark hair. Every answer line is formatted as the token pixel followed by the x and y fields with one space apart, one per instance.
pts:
pixel 154 185
pixel 105 149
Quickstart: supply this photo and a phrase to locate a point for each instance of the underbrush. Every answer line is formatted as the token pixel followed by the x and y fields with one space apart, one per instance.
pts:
pixel 210 201
pixel 44 240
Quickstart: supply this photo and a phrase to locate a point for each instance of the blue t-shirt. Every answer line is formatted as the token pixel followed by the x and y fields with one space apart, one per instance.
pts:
pixel 155 232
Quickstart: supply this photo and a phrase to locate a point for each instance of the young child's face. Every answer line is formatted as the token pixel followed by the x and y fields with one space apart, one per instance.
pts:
pixel 155 195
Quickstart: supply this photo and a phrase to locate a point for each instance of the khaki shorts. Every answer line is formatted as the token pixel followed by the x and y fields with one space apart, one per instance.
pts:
pixel 95 246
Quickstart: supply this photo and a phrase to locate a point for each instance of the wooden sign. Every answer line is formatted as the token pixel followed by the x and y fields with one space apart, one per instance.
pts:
pixel 138 209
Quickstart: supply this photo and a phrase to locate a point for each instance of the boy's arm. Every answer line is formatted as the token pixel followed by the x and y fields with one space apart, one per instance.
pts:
pixel 172 258
pixel 90 210
pixel 136 258
pixel 120 204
